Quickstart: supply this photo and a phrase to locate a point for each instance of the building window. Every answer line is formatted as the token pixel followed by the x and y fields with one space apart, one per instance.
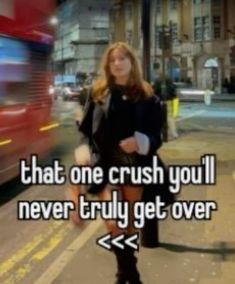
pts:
pixel 198 28
pixel 101 33
pixel 205 28
pixel 173 4
pixel 201 28
pixel 197 21
pixel 158 30
pixel 129 37
pixel 216 20
pixel 232 59
pixel 217 32
pixel 211 63
pixel 111 36
pixel 128 11
pixel 198 34
pixel 205 20
pixel 201 1
pixel 217 25
pixel 206 33
pixel 174 33
pixel 158 6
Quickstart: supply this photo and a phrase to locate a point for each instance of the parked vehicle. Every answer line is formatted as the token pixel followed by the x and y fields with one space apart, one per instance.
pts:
pixel 70 93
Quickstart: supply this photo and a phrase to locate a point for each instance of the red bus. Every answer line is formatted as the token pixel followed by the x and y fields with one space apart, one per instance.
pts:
pixel 26 125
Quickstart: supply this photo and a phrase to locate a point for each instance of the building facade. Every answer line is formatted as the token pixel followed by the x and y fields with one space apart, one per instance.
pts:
pixel 202 33
pixel 82 35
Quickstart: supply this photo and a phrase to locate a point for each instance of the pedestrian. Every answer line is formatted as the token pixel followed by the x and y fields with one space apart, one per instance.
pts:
pixel 171 98
pixel 66 92
pixel 122 126
pixel 172 106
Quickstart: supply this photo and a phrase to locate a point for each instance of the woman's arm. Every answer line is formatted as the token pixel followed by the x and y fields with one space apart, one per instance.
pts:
pixel 149 126
pixel 147 136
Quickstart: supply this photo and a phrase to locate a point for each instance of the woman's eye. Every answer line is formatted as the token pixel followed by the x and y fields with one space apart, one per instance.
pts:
pixel 118 59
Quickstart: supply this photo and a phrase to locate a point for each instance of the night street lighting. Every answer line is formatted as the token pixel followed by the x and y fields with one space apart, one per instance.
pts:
pixel 54 21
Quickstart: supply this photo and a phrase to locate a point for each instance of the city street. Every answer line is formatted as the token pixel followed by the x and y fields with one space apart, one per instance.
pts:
pixel 51 53
pixel 200 252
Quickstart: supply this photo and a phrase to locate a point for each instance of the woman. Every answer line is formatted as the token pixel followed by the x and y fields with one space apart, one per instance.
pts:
pixel 122 124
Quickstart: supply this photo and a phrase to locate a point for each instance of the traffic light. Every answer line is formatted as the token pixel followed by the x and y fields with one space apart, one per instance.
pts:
pixel 165 38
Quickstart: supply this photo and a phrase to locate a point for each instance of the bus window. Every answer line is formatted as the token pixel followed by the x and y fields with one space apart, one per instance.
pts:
pixel 17 93
pixel 14 71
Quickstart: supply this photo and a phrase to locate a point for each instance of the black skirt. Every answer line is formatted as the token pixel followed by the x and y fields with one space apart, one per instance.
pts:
pixel 116 157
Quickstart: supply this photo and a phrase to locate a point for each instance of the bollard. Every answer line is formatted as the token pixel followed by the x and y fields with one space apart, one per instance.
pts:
pixel 207 97
pixel 150 234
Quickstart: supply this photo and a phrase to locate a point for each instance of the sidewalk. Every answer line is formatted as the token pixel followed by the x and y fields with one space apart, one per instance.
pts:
pixel 224 97
pixel 201 252
pixel 200 98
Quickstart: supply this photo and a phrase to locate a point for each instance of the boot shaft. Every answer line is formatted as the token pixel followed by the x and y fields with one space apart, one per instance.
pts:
pixel 127 265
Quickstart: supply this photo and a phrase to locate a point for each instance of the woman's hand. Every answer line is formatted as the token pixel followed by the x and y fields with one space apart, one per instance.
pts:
pixel 129 145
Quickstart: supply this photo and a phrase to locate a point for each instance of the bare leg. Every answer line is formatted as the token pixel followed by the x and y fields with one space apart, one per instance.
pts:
pixel 127 270
pixel 106 195
pixel 131 194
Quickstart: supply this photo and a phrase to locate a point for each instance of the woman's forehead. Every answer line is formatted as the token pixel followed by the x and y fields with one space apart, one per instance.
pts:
pixel 118 51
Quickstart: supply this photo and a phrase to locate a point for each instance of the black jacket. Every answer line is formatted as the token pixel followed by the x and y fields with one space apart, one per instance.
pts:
pixel 148 120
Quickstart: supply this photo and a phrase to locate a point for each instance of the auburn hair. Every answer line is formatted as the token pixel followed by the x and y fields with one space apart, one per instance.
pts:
pixel 105 79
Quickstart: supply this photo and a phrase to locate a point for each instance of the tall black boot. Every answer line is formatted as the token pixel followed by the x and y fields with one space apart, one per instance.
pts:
pixel 120 275
pixel 127 263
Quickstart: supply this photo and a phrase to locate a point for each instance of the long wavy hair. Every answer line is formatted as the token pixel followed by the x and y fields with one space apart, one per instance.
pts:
pixel 138 87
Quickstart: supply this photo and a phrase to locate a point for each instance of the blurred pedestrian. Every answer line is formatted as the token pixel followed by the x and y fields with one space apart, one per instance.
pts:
pixel 66 92
pixel 122 126
pixel 172 108
pixel 167 92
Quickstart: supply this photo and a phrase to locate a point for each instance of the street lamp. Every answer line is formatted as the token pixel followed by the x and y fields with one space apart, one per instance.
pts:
pixel 165 45
pixel 54 21
pixel 146 38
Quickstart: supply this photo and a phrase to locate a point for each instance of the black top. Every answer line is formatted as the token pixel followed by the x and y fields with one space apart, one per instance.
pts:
pixel 124 116
pixel 121 115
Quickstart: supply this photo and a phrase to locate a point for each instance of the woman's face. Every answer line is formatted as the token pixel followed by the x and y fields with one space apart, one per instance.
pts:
pixel 120 65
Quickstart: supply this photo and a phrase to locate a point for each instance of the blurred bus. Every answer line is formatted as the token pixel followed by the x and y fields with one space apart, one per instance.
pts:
pixel 26 125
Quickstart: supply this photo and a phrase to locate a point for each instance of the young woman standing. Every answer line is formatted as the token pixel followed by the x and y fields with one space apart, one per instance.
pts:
pixel 122 127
